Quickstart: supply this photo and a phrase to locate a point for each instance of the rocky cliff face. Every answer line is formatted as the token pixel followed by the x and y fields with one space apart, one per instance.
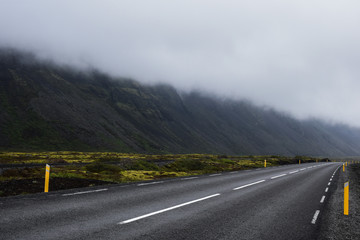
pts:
pixel 47 107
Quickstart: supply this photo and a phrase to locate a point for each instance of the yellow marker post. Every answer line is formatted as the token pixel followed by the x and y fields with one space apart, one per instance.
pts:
pixel 346 198
pixel 299 161
pixel 265 163
pixel 343 167
pixel 346 163
pixel 47 177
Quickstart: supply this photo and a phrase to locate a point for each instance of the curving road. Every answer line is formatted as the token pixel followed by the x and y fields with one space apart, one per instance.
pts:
pixel 268 203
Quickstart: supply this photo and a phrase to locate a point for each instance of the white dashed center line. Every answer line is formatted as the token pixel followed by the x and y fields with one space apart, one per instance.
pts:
pixel 294 172
pixel 327 189
pixel 322 199
pixel 278 176
pixel 168 209
pixel 250 184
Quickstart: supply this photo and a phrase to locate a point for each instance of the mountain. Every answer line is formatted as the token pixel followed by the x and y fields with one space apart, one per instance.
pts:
pixel 44 106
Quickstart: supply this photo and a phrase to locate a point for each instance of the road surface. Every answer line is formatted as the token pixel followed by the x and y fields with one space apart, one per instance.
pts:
pixel 283 202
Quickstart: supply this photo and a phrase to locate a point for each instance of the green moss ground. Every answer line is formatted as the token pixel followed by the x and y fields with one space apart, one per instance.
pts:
pixel 123 167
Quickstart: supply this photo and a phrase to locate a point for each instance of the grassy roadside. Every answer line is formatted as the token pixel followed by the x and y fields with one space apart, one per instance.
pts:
pixel 334 224
pixel 108 167
pixel 114 157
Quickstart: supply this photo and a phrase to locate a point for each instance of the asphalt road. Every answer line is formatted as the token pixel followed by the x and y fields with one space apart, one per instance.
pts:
pixel 268 203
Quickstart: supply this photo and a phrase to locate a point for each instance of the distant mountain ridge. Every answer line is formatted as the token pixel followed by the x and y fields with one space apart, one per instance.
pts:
pixel 47 107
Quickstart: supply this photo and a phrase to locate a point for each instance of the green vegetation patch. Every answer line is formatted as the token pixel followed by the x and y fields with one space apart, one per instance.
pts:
pixel 114 167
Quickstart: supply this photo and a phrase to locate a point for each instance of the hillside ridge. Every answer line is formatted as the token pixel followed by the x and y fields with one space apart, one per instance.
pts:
pixel 48 107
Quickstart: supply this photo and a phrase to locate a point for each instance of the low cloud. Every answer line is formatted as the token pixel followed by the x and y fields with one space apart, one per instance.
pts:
pixel 296 56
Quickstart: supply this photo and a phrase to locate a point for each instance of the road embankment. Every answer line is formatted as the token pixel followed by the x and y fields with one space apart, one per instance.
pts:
pixel 334 224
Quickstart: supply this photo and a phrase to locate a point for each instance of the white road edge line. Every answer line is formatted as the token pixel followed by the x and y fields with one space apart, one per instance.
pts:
pixel 313 221
pixel 322 199
pixel 213 175
pixel 189 178
pixel 150 183
pixel 247 185
pixel 278 176
pixel 167 209
pixel 92 191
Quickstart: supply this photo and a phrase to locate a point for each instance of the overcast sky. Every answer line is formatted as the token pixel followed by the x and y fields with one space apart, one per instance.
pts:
pixel 298 56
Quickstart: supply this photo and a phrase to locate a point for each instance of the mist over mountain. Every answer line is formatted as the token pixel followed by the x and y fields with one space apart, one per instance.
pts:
pixel 44 106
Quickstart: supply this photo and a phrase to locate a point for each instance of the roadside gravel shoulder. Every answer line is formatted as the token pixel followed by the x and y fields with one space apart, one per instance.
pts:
pixel 334 224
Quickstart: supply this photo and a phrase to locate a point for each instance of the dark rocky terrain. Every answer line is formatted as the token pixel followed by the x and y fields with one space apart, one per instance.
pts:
pixel 48 107
pixel 36 185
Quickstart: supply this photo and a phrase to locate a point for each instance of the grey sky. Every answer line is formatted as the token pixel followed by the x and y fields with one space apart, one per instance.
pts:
pixel 298 56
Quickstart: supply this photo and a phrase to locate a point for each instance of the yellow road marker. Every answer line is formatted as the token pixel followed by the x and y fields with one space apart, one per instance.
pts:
pixel 47 177
pixel 346 198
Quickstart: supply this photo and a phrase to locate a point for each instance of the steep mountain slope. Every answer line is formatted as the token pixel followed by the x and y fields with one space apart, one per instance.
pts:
pixel 47 107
